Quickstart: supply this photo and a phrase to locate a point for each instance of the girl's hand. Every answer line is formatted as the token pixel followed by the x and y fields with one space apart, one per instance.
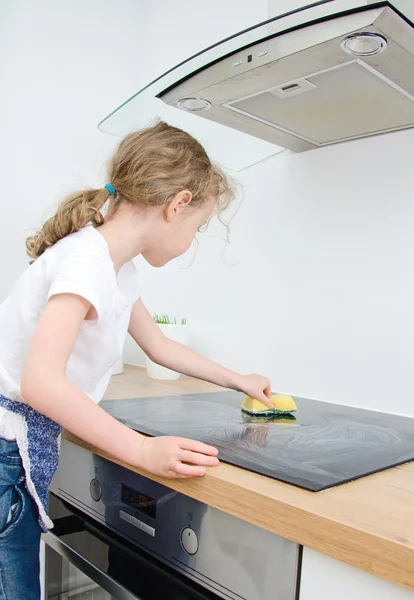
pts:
pixel 257 387
pixel 175 457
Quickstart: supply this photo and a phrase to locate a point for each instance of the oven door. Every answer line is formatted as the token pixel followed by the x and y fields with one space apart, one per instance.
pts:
pixel 87 561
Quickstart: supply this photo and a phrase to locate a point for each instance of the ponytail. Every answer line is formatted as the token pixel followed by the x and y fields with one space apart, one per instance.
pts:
pixel 76 211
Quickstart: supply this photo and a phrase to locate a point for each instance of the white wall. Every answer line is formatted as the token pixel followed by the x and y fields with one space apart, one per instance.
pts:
pixel 66 65
pixel 61 72
pixel 321 297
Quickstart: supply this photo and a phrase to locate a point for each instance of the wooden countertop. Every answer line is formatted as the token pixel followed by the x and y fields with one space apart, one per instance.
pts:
pixel 368 523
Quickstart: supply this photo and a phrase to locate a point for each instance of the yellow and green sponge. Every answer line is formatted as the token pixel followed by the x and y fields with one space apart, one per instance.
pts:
pixel 282 404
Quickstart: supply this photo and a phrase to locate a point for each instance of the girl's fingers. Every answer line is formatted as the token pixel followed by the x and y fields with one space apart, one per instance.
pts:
pixel 195 446
pixel 182 470
pixel 197 458
pixel 265 399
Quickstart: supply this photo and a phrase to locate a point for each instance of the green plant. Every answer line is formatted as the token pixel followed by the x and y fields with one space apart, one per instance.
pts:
pixel 166 320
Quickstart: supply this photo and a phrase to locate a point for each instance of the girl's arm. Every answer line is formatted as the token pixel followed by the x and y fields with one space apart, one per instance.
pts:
pixel 44 386
pixel 173 355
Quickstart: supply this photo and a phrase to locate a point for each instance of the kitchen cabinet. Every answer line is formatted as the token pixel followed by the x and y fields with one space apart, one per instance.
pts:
pixel 324 578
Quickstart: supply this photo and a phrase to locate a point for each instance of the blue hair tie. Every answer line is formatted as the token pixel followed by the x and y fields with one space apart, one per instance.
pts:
pixel 110 189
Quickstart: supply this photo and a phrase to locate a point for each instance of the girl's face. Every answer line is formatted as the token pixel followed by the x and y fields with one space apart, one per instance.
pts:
pixel 176 228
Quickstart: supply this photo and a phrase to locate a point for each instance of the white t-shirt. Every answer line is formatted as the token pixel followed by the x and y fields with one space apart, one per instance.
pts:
pixel 78 264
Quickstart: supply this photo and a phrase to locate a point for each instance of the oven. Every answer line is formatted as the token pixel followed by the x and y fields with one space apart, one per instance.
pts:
pixel 86 561
pixel 119 535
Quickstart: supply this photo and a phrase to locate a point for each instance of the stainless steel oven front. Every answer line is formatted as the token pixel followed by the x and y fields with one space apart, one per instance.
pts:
pixel 119 535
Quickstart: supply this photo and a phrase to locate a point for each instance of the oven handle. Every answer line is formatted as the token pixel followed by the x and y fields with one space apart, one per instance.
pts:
pixel 78 561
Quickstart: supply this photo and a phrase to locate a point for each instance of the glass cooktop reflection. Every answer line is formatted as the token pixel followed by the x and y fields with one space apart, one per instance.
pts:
pixel 322 446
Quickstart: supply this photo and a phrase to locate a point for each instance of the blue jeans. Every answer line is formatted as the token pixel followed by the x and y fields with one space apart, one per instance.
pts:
pixel 19 530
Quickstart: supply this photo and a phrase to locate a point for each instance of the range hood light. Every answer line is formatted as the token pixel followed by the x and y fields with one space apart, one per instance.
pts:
pixel 193 104
pixel 364 44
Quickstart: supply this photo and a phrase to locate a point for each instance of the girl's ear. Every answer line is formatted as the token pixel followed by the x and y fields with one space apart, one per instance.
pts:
pixel 175 206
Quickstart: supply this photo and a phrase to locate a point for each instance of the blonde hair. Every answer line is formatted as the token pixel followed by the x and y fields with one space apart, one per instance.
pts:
pixel 148 168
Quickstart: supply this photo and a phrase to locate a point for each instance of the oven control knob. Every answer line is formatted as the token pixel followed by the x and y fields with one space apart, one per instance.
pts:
pixel 189 540
pixel 95 490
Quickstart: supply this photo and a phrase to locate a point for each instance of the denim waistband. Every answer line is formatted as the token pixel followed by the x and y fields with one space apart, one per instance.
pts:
pixel 9 452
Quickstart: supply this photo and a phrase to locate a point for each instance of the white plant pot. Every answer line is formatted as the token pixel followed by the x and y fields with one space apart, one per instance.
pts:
pixel 178 333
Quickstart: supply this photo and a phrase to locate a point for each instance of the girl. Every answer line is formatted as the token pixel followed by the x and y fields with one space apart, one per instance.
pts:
pixel 64 325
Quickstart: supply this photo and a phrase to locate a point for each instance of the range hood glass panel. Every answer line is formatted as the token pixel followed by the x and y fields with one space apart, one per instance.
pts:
pixel 229 147
pixel 366 101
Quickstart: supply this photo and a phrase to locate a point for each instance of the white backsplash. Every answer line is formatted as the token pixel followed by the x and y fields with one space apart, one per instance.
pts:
pixel 322 297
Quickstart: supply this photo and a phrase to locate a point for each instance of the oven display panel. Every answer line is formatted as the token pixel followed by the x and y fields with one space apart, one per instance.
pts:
pixel 139 501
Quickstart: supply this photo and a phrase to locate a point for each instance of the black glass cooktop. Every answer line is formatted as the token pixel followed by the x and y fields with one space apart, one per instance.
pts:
pixel 323 445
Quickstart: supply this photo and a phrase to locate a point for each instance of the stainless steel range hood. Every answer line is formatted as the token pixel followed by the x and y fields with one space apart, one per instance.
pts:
pixel 339 77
